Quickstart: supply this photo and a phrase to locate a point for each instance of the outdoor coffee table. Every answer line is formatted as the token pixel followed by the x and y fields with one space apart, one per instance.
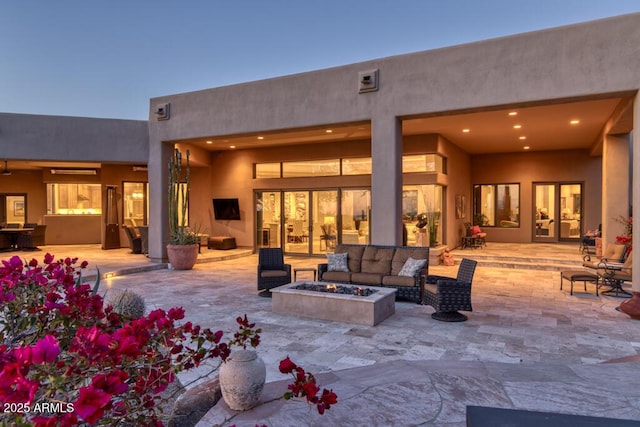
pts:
pixel 364 310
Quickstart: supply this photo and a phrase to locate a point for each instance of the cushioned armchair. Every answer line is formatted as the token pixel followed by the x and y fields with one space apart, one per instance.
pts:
pixel 135 241
pixel 448 295
pixel 272 271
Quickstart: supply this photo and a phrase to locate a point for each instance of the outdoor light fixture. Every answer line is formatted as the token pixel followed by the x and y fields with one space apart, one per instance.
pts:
pixel 73 171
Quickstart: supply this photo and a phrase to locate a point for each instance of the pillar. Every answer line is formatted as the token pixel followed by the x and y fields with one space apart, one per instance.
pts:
pixel 615 185
pixel 159 155
pixel 386 181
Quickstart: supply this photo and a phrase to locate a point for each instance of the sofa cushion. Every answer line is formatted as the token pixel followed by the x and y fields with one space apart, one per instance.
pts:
pixel 354 258
pixel 374 279
pixel 337 262
pixel 336 276
pixel 411 267
pixel 398 281
pixel 401 256
pixel 377 260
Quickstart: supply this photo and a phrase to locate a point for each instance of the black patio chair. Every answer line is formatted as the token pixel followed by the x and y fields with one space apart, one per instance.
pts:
pixel 31 239
pixel 448 295
pixel 135 241
pixel 272 271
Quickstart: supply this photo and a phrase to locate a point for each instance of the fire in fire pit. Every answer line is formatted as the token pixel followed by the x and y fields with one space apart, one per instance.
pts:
pixel 336 289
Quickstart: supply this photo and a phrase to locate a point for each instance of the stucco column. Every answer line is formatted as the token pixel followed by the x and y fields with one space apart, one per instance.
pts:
pixel 635 136
pixel 159 156
pixel 386 181
pixel 615 185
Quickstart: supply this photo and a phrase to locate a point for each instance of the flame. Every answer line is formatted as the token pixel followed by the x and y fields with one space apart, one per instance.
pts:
pixel 332 288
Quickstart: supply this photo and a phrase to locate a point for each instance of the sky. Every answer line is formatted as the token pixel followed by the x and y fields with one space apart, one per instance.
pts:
pixel 108 59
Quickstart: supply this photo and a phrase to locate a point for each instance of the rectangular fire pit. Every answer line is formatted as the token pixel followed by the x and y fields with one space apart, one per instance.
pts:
pixel 364 310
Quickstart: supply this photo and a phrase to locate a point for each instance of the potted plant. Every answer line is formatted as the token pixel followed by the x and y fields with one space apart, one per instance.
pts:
pixel 182 249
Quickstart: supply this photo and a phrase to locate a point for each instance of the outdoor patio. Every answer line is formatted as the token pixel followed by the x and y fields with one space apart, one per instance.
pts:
pixel 526 345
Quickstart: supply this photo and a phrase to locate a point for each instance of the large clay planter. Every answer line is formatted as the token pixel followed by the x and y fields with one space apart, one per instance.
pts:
pixel 631 307
pixel 182 257
pixel 242 379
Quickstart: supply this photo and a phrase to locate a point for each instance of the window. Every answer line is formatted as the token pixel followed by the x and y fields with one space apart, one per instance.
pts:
pixel 267 170
pixel 135 203
pixel 430 163
pixel 74 199
pixel 360 166
pixel 311 168
pixel 418 199
pixel 496 205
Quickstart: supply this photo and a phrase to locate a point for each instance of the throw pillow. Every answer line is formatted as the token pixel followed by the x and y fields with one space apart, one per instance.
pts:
pixel 337 262
pixel 411 267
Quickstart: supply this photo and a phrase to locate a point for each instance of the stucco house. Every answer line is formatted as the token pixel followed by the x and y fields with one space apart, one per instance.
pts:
pixel 529 136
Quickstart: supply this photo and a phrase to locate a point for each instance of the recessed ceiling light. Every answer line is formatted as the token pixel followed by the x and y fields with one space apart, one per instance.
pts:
pixel 526 147
pixel 328 131
pixel 466 130
pixel 209 142
pixel 232 146
pixel 574 122
pixel 261 137
pixel 517 126
pixel 513 113
pixel 522 137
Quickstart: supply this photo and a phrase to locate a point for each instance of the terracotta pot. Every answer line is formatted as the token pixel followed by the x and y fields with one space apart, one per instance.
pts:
pixel 631 307
pixel 182 257
pixel 242 379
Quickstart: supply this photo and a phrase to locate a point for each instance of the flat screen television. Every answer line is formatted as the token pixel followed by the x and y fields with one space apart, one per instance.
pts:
pixel 226 208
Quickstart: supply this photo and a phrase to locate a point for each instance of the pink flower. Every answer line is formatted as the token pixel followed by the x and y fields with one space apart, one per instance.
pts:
pixel 287 366
pixel 45 350
pixel 90 404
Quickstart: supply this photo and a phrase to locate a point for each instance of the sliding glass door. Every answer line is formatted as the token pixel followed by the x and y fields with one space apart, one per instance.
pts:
pixel 557 212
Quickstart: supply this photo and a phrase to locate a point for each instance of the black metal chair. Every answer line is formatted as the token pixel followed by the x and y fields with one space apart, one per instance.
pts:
pixel 272 271
pixel 31 239
pixel 448 295
pixel 135 241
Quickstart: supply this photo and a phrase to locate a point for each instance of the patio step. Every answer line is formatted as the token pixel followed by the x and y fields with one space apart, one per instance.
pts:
pixel 521 263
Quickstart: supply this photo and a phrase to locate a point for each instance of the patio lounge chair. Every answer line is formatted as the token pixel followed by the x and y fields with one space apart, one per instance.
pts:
pixel 135 241
pixel 448 295
pixel 272 271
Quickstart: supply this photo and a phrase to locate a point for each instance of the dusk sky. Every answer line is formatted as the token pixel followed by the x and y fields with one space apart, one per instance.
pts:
pixel 107 59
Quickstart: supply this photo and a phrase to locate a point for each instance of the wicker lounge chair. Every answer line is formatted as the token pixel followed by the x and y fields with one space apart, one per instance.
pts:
pixel 448 295
pixel 272 271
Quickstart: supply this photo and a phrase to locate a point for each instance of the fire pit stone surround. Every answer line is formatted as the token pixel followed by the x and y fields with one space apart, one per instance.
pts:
pixel 341 307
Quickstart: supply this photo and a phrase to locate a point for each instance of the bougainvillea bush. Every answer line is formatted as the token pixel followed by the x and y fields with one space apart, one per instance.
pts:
pixel 66 359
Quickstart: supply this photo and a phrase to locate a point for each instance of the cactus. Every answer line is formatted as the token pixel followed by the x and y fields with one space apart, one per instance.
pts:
pixel 128 304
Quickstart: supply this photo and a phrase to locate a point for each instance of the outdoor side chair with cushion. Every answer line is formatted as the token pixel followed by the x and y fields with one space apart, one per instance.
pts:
pixel 448 295
pixel 32 239
pixel 272 271
pixel 135 240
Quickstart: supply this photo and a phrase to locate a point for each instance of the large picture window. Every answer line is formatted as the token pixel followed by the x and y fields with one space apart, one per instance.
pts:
pixel 74 199
pixel 496 205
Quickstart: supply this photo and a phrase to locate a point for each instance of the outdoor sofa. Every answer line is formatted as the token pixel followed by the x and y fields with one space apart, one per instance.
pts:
pixel 399 267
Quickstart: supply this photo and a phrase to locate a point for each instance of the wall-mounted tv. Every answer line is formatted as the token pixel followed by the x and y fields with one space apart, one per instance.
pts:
pixel 226 208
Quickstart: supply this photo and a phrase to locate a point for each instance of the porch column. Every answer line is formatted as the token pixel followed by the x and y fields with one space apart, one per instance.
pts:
pixel 635 137
pixel 159 155
pixel 615 185
pixel 386 181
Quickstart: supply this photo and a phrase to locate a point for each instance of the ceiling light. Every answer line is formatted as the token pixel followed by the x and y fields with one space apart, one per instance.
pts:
pixel 232 146
pixel 209 142
pixel 522 137
pixel 466 130
pixel 261 138
pixel 517 126
pixel 328 131
pixel 73 171
pixel 574 122
pixel 513 113
pixel 526 147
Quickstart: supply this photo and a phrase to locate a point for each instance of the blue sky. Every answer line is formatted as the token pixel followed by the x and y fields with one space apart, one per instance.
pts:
pixel 107 59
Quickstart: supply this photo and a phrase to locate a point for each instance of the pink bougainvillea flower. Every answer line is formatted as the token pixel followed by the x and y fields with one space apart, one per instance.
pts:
pixel 45 350
pixel 90 404
pixel 112 383
pixel 287 366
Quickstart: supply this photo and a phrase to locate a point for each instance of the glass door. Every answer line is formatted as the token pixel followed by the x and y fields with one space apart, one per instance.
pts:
pixel 268 208
pixel 355 208
pixel 325 221
pixel 570 211
pixel 545 207
pixel 296 222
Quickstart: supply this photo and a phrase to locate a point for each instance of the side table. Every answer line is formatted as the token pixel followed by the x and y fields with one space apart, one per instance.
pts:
pixel 295 272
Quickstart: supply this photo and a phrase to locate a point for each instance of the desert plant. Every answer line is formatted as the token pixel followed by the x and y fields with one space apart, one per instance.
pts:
pixel 128 304
pixel 179 233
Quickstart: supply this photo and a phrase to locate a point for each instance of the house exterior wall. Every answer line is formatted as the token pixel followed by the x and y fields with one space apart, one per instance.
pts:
pixel 560 64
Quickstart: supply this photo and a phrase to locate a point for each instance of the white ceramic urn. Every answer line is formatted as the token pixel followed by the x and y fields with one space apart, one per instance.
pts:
pixel 242 379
